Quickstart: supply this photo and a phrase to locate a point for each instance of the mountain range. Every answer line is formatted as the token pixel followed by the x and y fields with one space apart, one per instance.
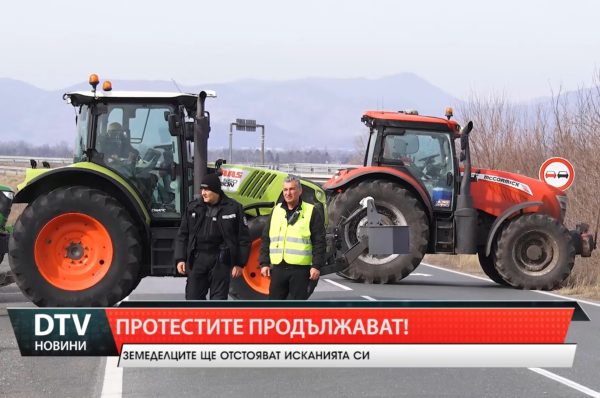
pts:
pixel 308 113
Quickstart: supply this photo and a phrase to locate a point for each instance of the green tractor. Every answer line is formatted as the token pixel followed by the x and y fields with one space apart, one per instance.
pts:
pixel 92 230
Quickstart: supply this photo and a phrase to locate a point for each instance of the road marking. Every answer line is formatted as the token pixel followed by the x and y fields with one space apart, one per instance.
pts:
pixel 566 382
pixel 570 298
pixel 337 284
pixel 112 387
pixel 459 273
pixel 369 298
pixel 536 291
pixel 418 274
pixel 540 371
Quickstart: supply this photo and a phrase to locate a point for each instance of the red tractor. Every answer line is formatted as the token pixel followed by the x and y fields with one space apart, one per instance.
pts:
pixel 411 169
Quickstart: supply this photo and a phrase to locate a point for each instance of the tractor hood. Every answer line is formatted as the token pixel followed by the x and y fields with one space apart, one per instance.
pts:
pixel 495 191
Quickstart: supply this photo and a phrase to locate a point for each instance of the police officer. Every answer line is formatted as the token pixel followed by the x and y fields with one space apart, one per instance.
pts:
pixel 293 244
pixel 213 242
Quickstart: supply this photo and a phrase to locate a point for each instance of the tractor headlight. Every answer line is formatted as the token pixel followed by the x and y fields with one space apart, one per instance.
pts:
pixel 9 194
pixel 563 201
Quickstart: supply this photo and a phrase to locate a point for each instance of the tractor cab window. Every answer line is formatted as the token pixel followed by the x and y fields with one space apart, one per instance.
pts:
pixel 427 156
pixel 82 134
pixel 134 141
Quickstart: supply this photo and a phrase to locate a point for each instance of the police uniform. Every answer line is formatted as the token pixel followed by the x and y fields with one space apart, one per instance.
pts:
pixel 211 240
pixel 293 242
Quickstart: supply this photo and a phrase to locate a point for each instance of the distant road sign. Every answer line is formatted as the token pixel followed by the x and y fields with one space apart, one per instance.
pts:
pixel 558 172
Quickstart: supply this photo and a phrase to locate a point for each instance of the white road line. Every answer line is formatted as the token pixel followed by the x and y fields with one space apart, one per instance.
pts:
pixel 566 382
pixel 458 272
pixel 419 274
pixel 112 387
pixel 570 298
pixel 543 372
pixel 535 291
pixel 337 284
pixel 369 298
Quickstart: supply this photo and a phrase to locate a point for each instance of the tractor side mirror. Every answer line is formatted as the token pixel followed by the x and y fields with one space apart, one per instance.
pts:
pixel 174 125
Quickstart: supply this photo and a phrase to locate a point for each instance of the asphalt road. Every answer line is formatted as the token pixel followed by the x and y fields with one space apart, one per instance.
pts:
pixel 99 377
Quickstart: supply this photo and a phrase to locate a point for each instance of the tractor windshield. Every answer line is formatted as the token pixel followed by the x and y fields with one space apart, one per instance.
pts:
pixel 134 140
pixel 426 155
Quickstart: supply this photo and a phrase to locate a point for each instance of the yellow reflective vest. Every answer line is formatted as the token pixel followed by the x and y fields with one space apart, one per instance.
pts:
pixel 290 243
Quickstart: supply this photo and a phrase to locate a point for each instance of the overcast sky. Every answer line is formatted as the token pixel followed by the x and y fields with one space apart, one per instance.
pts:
pixel 520 48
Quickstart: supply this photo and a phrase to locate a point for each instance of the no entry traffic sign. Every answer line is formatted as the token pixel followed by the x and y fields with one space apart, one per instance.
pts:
pixel 558 172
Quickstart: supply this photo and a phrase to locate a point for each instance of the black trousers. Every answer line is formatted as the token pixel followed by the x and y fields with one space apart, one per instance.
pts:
pixel 208 273
pixel 289 282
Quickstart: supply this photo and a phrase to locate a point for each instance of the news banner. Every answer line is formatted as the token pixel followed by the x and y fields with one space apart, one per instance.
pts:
pixel 307 334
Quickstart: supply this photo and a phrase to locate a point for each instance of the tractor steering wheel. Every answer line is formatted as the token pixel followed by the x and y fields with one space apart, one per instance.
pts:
pixel 428 159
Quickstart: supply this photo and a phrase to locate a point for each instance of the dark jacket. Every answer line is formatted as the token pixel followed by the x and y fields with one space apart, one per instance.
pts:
pixel 317 237
pixel 230 219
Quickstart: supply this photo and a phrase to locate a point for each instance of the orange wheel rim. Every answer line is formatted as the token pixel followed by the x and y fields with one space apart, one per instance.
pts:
pixel 73 251
pixel 251 272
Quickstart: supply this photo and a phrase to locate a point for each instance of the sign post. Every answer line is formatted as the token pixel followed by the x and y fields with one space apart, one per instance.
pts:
pixel 247 125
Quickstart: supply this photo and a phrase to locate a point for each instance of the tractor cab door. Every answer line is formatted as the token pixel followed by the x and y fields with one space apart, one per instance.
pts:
pixel 134 140
pixel 427 156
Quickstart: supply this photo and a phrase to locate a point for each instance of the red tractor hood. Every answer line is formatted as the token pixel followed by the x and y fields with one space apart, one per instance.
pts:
pixel 495 191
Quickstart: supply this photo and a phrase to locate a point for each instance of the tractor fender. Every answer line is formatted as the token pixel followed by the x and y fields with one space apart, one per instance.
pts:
pixel 500 220
pixel 370 173
pixel 98 178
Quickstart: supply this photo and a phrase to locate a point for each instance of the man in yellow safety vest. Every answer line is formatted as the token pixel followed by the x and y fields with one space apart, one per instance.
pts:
pixel 293 244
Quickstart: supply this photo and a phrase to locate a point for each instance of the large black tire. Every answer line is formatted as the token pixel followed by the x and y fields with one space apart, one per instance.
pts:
pixel 534 251
pixel 488 265
pixel 399 207
pixel 124 267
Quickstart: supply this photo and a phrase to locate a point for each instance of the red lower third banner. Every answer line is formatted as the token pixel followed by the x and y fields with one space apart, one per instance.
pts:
pixel 339 325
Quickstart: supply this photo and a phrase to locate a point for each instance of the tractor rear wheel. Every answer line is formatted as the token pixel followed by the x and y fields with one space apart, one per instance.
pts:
pixel 398 206
pixel 535 251
pixel 75 246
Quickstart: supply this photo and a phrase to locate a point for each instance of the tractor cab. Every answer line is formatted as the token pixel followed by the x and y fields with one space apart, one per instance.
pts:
pixel 129 133
pixel 419 146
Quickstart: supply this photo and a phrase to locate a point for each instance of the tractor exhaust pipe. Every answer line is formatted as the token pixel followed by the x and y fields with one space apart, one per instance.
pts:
pixel 465 215
pixel 201 132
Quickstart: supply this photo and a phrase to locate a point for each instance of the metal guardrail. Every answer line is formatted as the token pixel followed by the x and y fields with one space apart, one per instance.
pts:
pixel 26 159
pixel 318 172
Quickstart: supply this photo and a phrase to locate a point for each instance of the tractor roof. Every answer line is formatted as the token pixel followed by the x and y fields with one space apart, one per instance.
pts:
pixel 406 120
pixel 86 97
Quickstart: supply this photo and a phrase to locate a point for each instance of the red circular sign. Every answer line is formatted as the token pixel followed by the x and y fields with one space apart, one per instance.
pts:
pixel 558 172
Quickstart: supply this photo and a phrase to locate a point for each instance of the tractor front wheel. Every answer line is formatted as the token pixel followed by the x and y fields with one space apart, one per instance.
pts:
pixel 488 265
pixel 534 251
pixel 397 206
pixel 75 246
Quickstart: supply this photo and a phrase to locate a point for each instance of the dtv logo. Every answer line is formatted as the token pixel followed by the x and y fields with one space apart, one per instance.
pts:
pixel 44 323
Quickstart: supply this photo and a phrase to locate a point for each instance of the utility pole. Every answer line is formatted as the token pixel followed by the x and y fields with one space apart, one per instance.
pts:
pixel 247 125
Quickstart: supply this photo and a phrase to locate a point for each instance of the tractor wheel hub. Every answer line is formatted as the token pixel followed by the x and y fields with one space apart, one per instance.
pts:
pixel 75 251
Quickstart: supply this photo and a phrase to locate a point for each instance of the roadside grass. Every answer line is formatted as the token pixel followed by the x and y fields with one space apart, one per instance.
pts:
pixel 584 281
